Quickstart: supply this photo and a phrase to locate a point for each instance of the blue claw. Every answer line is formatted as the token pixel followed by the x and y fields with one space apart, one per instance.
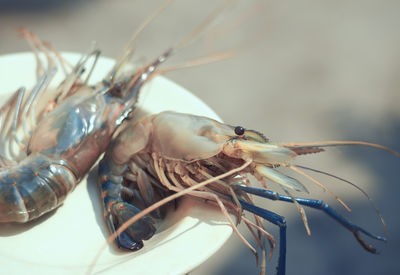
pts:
pixel 123 241
pixel 280 221
pixel 320 205
pixel 131 238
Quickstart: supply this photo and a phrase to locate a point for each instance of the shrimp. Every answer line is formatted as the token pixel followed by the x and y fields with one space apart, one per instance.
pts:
pixel 60 142
pixel 203 158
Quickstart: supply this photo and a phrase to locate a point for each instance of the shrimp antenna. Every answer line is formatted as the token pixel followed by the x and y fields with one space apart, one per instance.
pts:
pixel 321 185
pixel 211 58
pixel 340 143
pixel 146 22
pixel 190 37
pixel 227 28
pixel 129 47
pixel 148 72
pixel 371 201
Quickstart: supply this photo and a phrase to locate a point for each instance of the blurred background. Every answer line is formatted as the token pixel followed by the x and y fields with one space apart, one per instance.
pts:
pixel 306 71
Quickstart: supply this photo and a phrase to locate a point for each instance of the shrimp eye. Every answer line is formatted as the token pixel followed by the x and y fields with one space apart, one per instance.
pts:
pixel 239 130
pixel 116 89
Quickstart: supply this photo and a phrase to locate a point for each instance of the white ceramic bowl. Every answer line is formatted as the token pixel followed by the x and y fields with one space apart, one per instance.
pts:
pixel 67 240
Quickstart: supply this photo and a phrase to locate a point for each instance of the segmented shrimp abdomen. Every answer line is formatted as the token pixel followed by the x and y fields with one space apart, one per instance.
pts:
pixel 33 187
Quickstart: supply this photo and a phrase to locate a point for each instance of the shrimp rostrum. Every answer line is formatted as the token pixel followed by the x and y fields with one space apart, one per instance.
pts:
pixel 203 158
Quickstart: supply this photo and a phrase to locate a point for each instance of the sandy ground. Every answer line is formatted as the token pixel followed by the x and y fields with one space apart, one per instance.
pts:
pixel 307 71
